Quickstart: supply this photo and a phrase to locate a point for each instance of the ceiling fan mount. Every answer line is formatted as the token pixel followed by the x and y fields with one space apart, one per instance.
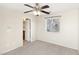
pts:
pixel 37 8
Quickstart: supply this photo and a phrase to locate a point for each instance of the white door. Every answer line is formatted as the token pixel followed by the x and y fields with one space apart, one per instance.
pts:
pixel 28 30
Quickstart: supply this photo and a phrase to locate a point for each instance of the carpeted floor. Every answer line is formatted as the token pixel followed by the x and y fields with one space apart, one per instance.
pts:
pixel 42 48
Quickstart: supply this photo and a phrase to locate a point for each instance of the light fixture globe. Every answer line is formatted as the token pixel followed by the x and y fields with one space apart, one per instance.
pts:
pixel 37 13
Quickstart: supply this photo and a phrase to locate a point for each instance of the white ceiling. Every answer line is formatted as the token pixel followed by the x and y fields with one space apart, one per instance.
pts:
pixel 54 7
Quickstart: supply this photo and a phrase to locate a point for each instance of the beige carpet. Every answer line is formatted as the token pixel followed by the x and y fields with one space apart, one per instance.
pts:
pixel 42 48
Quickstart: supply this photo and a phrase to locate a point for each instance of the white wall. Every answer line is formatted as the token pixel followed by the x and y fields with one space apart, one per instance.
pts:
pixel 10 29
pixel 68 34
pixel 78 30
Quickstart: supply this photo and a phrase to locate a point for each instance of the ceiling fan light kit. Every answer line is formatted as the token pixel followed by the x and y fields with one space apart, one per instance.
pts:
pixel 37 9
pixel 37 13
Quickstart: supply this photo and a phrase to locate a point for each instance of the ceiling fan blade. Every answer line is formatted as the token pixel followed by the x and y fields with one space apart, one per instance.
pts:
pixel 43 7
pixel 28 5
pixel 45 12
pixel 28 11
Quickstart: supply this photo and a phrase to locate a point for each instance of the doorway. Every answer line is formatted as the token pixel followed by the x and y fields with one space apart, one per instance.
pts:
pixel 26 31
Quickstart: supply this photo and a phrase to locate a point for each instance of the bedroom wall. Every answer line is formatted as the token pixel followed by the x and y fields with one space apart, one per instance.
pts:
pixel 68 34
pixel 10 29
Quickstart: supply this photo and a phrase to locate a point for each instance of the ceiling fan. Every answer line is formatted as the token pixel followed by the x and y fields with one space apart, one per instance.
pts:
pixel 37 9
